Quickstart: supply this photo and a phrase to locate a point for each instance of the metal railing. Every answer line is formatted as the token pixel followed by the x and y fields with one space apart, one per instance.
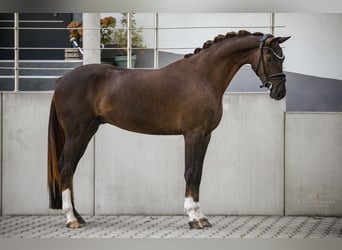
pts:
pixel 156 48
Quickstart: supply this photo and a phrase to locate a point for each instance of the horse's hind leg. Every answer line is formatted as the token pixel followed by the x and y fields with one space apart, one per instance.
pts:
pixel 75 146
pixel 196 144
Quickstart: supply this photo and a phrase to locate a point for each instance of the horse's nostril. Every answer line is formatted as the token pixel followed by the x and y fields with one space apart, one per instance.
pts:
pixel 278 95
pixel 281 94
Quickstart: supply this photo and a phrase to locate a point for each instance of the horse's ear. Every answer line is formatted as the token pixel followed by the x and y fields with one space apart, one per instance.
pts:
pixel 283 39
pixel 276 40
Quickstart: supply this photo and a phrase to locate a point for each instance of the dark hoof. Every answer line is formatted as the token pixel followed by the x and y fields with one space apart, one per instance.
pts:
pixel 80 220
pixel 195 224
pixel 199 224
pixel 205 222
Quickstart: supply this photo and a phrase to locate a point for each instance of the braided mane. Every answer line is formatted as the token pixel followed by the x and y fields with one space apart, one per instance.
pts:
pixel 219 38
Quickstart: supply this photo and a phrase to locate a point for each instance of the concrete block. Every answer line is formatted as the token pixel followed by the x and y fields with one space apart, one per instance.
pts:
pixel 25 129
pixel 244 167
pixel 91 38
pixel 138 174
pixel 243 171
pixel 313 164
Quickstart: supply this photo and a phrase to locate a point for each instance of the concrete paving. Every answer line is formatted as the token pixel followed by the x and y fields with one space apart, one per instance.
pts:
pixel 172 227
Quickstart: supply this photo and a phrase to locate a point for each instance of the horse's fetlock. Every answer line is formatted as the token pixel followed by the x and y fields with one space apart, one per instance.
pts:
pixel 67 210
pixel 190 205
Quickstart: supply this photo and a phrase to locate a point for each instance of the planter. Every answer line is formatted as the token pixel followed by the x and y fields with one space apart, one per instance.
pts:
pixel 121 61
pixel 72 54
pixel 108 54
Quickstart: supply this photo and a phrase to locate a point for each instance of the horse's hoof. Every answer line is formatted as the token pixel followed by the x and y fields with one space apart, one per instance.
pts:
pixel 79 217
pixel 80 220
pixel 73 224
pixel 205 222
pixel 195 224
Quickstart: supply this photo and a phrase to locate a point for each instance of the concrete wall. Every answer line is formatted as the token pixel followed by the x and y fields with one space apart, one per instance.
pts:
pixel 150 179
pixel 243 171
pixel 125 173
pixel 91 38
pixel 313 170
pixel 25 124
pixel 138 173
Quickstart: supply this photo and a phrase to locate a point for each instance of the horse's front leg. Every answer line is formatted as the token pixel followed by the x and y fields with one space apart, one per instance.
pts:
pixel 196 144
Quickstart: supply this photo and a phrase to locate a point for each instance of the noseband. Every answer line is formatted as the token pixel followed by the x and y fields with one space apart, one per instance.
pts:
pixel 281 77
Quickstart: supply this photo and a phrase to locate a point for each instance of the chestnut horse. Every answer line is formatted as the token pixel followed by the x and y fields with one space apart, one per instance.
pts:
pixel 183 98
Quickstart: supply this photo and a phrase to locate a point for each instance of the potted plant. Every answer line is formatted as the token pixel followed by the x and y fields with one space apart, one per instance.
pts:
pixel 120 38
pixel 107 29
pixel 107 39
pixel 75 38
pixel 111 38
pixel 75 30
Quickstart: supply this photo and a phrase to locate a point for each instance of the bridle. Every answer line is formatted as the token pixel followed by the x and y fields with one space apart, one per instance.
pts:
pixel 281 77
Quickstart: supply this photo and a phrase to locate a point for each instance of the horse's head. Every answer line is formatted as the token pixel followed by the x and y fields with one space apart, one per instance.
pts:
pixel 268 65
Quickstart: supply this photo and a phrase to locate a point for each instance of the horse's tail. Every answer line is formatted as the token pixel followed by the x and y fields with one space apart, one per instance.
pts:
pixel 55 147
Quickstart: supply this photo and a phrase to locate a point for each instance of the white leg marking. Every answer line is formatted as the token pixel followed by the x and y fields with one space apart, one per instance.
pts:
pixel 193 209
pixel 199 211
pixel 67 206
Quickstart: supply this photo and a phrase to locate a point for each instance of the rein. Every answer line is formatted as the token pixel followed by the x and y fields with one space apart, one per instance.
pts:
pixel 280 76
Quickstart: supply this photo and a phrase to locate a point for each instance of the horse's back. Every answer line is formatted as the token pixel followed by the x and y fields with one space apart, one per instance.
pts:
pixel 83 77
pixel 112 94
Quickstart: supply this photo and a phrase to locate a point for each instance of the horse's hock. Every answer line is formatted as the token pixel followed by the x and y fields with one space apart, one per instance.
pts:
pixel 243 170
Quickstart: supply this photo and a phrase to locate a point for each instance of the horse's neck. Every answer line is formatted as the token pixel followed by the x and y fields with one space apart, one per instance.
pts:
pixel 226 59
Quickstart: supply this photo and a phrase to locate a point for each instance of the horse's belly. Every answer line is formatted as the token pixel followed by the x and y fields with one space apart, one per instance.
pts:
pixel 145 122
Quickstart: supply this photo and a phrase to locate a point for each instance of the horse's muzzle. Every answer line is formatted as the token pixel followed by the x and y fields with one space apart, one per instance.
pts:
pixel 278 90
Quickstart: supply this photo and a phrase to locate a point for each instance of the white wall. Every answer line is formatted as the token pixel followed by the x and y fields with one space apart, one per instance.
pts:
pixel 133 173
pixel 25 124
pixel 170 39
pixel 315 47
pixel 243 170
pixel 124 172
pixel 313 170
pixel 138 173
pixel 91 38
pixel 192 38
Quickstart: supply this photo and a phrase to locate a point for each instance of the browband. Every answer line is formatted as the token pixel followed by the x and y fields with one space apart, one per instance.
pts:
pixel 263 39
